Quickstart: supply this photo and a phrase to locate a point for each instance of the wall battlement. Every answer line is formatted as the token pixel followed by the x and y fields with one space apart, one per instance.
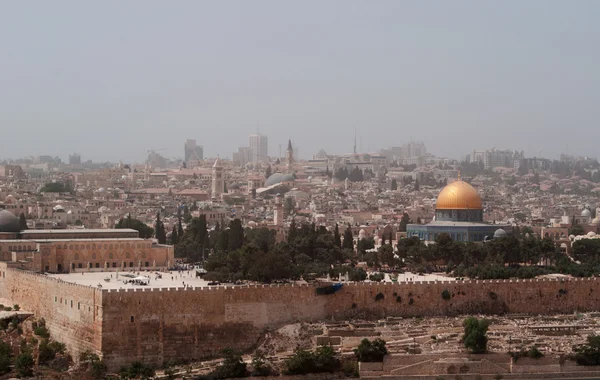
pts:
pixel 346 284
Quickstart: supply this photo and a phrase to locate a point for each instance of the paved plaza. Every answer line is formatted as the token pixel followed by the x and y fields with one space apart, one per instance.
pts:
pixel 116 280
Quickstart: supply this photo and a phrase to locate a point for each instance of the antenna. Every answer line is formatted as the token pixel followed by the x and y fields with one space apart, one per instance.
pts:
pixel 355 140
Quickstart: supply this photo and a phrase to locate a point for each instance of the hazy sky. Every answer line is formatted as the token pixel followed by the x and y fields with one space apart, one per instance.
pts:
pixel 111 79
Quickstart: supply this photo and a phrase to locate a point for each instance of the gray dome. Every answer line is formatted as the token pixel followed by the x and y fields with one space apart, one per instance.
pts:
pixel 499 233
pixel 276 178
pixel 9 222
pixel 586 213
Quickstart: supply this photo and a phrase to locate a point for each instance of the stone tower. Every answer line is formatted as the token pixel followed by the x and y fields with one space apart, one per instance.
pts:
pixel 278 213
pixel 218 183
pixel 289 156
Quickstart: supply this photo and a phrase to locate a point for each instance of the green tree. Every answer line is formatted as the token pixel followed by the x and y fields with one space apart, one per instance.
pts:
pixel 386 254
pixel 405 221
pixel 232 366
pixel 348 242
pixel 57 187
pixel 337 239
pixel 5 354
pixel 292 232
pixel 588 353
pixel 144 230
pixel 576 230
pixel 475 337
pixel 371 351
pixel 394 184
pixel 23 222
pixel 24 365
pixel 305 362
pixel 159 229
pixel 268 172
pixel 174 235
pixel 236 235
pixel 137 370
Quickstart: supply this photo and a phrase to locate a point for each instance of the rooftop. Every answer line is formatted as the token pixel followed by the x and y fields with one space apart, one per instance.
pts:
pixel 82 231
pixel 115 279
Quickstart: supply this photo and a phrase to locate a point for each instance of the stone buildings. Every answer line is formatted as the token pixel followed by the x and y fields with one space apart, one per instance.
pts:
pixel 80 250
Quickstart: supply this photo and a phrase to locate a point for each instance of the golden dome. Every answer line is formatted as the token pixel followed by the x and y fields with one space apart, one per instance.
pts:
pixel 459 195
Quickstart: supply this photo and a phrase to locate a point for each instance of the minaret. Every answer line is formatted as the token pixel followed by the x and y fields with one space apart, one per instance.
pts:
pixel 278 213
pixel 218 184
pixel 289 157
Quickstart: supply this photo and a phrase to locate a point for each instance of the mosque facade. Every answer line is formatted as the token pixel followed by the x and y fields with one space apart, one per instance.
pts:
pixel 459 213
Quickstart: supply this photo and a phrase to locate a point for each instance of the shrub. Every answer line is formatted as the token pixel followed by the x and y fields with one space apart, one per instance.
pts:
pixel 377 277
pixel 16 308
pixel 475 338
pixel 137 370
pixel 304 362
pixel 534 353
pixel 350 369
pixel 368 351
pixel 411 301
pixel 49 350
pixel 99 369
pixel 231 367
pixel 589 352
pixel 42 332
pixel 357 274
pixel 379 296
pixel 5 354
pixel 59 364
pixel 446 295
pixel 260 367
pixel 24 365
pixel 493 296
pixel 398 299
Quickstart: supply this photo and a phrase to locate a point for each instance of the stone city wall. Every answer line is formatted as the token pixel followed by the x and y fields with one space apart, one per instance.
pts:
pixel 155 325
pixel 73 313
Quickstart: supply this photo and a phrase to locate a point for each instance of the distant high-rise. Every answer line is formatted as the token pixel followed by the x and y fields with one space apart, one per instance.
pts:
pixel 193 152
pixel 242 156
pixel 75 159
pixel 492 158
pixel 258 148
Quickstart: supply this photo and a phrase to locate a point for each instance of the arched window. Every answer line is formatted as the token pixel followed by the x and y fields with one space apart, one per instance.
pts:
pixel 94 256
pixel 127 255
pixel 110 255
pixel 76 257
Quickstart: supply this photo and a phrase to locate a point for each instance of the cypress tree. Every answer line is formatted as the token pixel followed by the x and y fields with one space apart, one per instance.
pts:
pixel 22 222
pixel 174 236
pixel 159 229
pixel 292 232
pixel 236 235
pixel 348 239
pixel 337 239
